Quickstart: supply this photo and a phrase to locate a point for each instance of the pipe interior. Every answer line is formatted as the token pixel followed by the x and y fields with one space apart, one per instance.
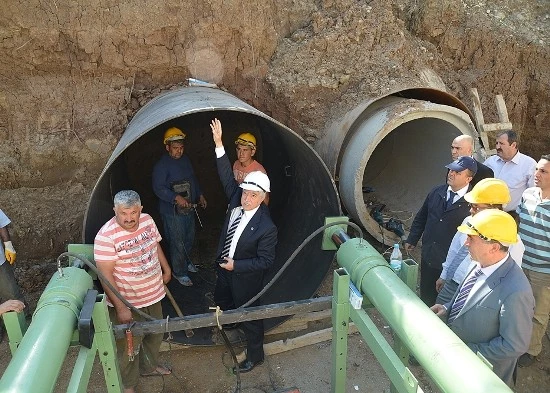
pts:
pixel 406 165
pixel 303 194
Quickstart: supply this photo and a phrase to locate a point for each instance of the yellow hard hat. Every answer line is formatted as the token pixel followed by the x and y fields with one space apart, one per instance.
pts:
pixel 246 139
pixel 490 191
pixel 173 134
pixel 492 224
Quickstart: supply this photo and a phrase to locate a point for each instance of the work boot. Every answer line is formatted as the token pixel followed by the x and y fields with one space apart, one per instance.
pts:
pixel 184 280
pixel 526 360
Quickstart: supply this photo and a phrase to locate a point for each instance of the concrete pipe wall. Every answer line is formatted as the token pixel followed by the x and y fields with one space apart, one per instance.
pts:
pixel 395 148
pixel 303 191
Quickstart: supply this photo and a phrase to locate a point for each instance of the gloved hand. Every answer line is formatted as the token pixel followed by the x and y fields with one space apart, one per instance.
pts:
pixel 9 251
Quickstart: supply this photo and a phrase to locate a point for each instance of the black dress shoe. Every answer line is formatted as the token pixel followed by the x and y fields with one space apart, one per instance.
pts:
pixel 247 365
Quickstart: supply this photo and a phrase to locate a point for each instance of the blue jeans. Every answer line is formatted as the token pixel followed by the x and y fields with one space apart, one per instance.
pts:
pixel 179 231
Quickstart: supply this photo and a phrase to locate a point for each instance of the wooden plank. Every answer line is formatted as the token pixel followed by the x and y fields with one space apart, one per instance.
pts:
pixel 478 112
pixel 230 316
pixel 501 109
pixel 496 127
pixel 300 322
pixel 302 341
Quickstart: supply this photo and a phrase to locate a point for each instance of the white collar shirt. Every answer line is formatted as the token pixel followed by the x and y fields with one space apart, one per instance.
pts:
pixel 459 194
pixel 518 174
pixel 247 216
pixel 486 273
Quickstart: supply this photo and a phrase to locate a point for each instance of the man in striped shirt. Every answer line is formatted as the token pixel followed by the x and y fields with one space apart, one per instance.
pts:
pixel 534 230
pixel 128 254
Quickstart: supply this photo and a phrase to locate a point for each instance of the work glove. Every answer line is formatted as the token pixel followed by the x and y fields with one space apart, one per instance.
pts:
pixel 9 251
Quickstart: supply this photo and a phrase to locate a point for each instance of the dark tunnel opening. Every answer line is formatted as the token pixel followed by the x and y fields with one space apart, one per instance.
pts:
pixel 302 191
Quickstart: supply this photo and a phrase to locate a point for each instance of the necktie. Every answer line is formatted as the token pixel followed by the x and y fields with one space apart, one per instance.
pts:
pixel 463 295
pixel 230 233
pixel 450 200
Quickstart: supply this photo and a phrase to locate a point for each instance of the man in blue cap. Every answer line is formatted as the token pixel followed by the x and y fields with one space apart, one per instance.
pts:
pixel 442 212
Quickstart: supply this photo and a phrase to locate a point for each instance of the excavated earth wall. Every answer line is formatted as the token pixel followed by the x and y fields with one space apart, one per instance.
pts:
pixel 72 74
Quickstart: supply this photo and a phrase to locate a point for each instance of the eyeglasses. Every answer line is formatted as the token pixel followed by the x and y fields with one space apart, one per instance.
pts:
pixel 487 239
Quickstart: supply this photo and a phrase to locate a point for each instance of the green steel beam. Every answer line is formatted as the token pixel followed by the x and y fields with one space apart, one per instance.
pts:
pixel 82 370
pixel 400 376
pixel 106 344
pixel 16 326
pixel 340 323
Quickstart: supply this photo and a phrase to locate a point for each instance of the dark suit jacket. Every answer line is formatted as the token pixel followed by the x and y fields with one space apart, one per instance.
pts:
pixel 483 172
pixel 497 320
pixel 437 226
pixel 255 251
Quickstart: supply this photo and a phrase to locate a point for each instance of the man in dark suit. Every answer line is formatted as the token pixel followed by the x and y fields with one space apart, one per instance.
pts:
pixel 463 145
pixel 493 308
pixel 443 210
pixel 246 248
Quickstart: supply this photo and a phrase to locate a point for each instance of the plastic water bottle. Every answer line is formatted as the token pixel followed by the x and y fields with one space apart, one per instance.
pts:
pixel 396 258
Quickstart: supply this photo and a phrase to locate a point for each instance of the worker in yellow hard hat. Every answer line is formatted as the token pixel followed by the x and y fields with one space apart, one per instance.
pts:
pixel 246 149
pixel 245 146
pixel 489 193
pixel 179 193
pixel 492 309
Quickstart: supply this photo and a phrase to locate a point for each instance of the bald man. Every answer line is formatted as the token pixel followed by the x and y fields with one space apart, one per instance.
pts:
pixel 463 145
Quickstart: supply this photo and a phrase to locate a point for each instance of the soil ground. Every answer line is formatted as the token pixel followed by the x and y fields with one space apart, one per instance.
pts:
pixel 208 368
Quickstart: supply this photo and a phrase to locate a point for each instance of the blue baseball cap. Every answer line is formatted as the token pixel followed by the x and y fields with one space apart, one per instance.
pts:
pixel 462 163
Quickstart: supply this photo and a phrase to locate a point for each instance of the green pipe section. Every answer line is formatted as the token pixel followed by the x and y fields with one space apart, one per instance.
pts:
pixel 449 362
pixel 37 362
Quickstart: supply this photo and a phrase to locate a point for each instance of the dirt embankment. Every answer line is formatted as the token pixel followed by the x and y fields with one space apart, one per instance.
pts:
pixel 74 73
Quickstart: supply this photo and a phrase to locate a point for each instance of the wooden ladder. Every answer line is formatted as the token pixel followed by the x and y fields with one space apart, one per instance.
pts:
pixel 483 129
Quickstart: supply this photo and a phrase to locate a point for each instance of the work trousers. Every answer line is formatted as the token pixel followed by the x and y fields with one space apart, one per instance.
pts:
pixel 179 233
pixel 226 298
pixel 8 285
pixel 540 283
pixel 146 348
pixel 428 277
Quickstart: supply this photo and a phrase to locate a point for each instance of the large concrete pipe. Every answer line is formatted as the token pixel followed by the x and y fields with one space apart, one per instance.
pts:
pixel 389 152
pixel 303 192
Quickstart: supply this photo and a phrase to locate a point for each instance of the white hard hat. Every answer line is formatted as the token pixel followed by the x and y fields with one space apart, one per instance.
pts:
pixel 256 181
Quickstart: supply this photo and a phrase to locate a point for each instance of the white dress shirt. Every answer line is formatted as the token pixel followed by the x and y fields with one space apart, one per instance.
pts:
pixel 247 216
pixel 518 174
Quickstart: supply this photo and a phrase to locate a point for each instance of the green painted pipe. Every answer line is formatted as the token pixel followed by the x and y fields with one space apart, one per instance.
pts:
pixel 449 362
pixel 38 360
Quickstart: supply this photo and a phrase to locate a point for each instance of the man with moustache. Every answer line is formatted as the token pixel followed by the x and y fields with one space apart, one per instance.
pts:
pixel 128 254
pixel 515 168
pixel 463 145
pixel 246 249
pixel 442 211
pixel 534 229
pixel 177 187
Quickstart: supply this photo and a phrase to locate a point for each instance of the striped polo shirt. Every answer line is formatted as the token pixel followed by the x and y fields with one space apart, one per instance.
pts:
pixel 534 230
pixel 137 272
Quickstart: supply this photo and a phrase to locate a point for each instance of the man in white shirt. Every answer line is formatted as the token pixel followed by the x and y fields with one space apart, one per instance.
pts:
pixel 515 168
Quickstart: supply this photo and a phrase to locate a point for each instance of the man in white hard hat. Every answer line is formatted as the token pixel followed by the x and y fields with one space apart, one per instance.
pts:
pixel 246 249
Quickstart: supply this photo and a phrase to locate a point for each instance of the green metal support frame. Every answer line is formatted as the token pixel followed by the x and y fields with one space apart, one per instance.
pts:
pixel 415 327
pixel 41 347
